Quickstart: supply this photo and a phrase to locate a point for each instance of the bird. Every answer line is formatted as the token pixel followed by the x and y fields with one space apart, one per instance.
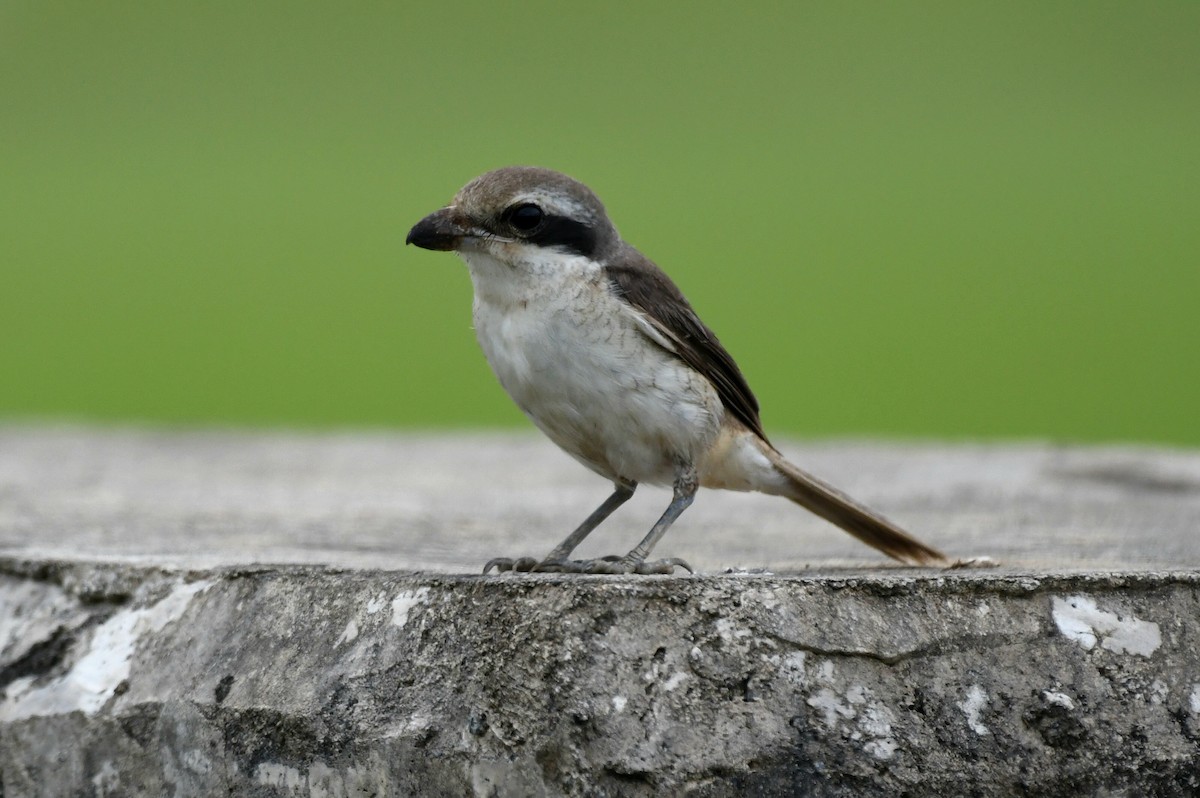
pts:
pixel 601 351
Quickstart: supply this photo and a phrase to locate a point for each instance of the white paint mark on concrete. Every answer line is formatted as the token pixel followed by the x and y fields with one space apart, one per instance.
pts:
pixel 1194 700
pixel 277 774
pixel 376 604
pixel 872 720
pixel 1058 699
pixel 105 664
pixel 971 706
pixel 830 705
pixel 876 720
pixel 1081 620
pixel 349 634
pixel 619 702
pixel 677 678
pixel 405 602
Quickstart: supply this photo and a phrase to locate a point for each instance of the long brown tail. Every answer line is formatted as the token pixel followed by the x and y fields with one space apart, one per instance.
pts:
pixel 838 508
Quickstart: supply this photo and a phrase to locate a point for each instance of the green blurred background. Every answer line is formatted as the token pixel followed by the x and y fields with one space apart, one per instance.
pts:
pixel 908 220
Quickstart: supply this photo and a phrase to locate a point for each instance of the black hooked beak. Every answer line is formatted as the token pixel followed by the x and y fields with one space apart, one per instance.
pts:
pixel 439 230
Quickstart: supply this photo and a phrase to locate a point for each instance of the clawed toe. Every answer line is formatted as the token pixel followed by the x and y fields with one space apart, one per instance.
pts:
pixel 502 564
pixel 666 566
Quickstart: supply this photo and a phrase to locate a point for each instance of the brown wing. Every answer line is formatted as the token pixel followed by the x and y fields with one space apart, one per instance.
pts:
pixel 643 285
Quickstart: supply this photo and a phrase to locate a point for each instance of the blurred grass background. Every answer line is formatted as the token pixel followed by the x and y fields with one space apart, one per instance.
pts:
pixel 921 220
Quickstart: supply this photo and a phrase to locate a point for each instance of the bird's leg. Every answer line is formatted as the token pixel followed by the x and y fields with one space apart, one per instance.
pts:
pixel 556 560
pixel 686 485
pixel 621 494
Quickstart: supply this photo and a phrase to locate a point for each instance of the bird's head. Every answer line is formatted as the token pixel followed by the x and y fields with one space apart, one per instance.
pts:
pixel 518 212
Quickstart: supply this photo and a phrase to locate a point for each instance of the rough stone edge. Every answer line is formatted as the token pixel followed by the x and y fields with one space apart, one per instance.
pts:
pixel 115 580
pixel 123 582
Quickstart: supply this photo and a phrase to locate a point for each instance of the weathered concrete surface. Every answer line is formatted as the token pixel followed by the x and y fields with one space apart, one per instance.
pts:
pixel 146 649
pixel 448 503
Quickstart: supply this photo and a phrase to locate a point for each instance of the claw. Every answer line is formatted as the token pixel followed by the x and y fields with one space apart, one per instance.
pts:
pixel 666 566
pixel 502 564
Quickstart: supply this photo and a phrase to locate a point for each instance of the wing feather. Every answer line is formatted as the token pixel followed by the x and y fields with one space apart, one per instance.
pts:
pixel 636 280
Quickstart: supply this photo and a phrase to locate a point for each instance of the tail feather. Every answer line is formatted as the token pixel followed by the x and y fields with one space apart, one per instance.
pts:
pixel 866 525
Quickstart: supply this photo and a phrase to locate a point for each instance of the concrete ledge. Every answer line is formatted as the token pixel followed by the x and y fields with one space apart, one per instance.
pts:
pixel 180 672
pixel 303 681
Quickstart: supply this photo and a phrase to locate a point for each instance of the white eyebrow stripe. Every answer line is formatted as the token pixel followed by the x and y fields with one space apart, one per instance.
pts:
pixel 558 204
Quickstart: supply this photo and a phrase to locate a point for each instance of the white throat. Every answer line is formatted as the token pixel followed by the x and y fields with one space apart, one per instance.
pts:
pixel 527 274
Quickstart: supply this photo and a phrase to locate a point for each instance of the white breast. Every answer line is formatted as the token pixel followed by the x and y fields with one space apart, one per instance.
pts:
pixel 577 362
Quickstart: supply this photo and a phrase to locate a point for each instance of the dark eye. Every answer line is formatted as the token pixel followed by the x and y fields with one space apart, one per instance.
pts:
pixel 525 217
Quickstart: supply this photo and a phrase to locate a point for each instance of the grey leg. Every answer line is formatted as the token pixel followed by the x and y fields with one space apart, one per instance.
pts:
pixel 686 485
pixel 621 495
pixel 556 560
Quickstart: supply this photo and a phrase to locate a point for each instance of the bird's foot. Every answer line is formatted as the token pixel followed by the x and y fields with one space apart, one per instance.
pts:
pixel 625 565
pixel 611 564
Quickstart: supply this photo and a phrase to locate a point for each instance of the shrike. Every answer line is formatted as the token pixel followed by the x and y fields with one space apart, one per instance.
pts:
pixel 602 352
